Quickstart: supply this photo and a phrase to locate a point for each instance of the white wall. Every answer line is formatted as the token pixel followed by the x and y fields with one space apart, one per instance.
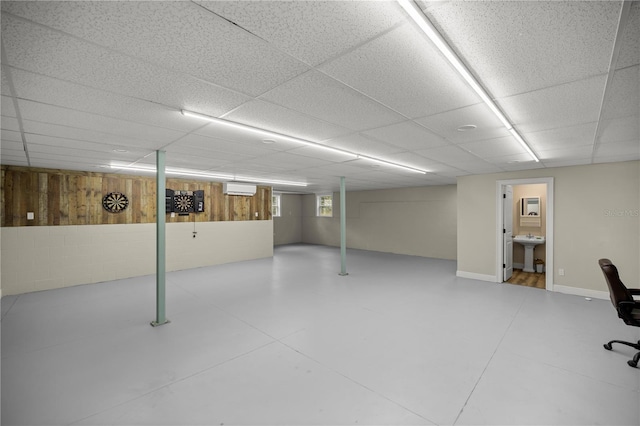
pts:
pixel 287 228
pixel 46 257
pixel 414 221
pixel 596 215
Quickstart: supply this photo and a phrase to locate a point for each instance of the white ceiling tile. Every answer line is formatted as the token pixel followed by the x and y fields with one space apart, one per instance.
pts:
pixel 494 147
pixel 72 133
pixel 74 163
pixel 80 145
pixel 243 136
pixel 478 167
pixel 347 170
pixel 48 152
pixel 630 148
pixel 317 95
pixel 506 161
pixel 447 123
pixel 449 154
pixel 561 137
pixel 10 123
pixel 524 164
pixel 616 158
pixel 15 159
pixel 50 91
pixel 12 151
pixel 178 35
pixel 210 146
pixel 114 75
pixel 411 159
pixel 519 46
pixel 567 162
pixel 361 144
pixel 564 154
pixel 623 97
pixel 5 86
pixel 278 119
pixel 558 106
pixel 620 129
pixel 149 136
pixel 293 161
pixel 9 145
pixel 408 135
pixel 311 31
pixel 11 135
pixel 630 41
pixel 405 72
pixel 7 107
pixel 59 56
pixel 195 162
pixel 321 153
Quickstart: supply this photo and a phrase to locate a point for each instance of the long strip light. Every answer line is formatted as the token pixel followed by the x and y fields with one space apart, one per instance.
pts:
pixel 271 134
pixel 195 173
pixel 414 11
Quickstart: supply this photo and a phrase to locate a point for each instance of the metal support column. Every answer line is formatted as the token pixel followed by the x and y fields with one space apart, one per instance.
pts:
pixel 343 228
pixel 160 240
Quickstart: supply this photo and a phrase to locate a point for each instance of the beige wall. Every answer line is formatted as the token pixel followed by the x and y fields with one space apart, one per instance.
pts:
pixel 287 228
pixel 47 257
pixel 596 215
pixel 415 221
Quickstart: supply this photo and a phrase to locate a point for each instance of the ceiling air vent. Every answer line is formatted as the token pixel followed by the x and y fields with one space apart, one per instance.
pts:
pixel 235 188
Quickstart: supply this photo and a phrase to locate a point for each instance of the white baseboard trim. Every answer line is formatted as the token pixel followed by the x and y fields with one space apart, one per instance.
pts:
pixel 474 276
pixel 595 294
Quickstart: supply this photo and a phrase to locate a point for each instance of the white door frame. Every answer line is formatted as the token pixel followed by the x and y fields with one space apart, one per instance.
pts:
pixel 549 221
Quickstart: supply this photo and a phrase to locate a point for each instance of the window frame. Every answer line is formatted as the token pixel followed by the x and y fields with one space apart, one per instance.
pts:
pixel 319 205
pixel 277 205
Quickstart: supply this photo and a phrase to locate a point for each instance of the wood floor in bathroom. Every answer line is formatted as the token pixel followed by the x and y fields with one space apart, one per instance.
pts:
pixel 529 279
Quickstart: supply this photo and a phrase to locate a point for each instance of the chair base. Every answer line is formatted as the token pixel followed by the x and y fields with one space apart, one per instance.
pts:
pixel 632 362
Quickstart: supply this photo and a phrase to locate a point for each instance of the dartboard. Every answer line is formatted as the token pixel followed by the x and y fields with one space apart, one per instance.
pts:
pixel 183 203
pixel 115 202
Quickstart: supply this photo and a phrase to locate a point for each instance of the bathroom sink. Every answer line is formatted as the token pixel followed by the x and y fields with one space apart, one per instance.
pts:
pixel 528 241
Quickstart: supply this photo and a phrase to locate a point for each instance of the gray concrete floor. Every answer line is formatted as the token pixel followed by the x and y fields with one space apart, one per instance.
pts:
pixel 287 341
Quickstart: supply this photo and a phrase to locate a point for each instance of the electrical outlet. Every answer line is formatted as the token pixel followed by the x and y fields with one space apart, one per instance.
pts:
pixel 561 272
pixel 256 214
pixel 30 216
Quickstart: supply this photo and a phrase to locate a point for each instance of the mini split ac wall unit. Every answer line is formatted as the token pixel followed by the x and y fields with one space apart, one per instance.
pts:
pixel 235 188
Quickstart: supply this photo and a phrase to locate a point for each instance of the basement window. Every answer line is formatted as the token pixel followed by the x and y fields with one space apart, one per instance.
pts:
pixel 324 203
pixel 275 205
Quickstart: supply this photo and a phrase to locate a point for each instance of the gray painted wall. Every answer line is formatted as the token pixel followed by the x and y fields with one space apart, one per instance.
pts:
pixel 414 221
pixel 287 228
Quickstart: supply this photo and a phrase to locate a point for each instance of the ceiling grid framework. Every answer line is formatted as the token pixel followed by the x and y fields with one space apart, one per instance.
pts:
pixel 88 84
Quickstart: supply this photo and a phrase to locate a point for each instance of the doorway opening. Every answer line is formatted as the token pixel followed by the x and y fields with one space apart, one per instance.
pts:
pixel 513 220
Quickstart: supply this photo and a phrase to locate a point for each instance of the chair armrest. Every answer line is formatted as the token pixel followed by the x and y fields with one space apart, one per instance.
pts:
pixel 627 306
pixel 634 291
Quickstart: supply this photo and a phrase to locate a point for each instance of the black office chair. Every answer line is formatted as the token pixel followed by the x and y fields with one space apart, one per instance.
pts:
pixel 622 299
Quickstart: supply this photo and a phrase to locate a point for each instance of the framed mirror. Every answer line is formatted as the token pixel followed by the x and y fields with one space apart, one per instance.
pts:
pixel 530 206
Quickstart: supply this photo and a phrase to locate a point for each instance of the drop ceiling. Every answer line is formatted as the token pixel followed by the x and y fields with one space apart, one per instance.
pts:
pixel 89 84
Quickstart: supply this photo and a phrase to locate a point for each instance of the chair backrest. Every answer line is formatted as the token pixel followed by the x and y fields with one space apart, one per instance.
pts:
pixel 617 290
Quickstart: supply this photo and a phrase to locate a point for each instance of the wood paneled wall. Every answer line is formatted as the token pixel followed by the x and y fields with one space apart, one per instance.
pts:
pixel 65 197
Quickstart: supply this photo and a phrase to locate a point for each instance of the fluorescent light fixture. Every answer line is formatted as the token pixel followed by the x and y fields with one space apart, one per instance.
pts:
pixel 195 173
pixel 271 134
pixel 516 135
pixel 414 11
pixel 263 132
pixel 387 163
